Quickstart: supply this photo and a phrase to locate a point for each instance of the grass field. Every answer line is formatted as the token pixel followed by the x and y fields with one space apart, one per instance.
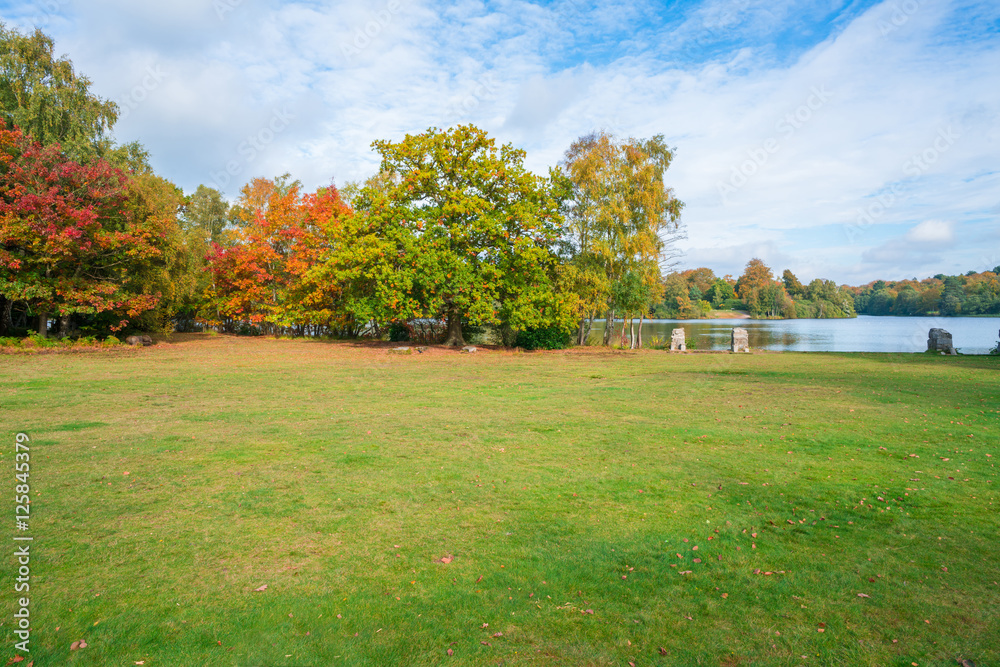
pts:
pixel 575 508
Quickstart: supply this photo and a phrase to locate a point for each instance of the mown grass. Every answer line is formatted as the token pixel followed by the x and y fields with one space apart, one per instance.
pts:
pixel 170 482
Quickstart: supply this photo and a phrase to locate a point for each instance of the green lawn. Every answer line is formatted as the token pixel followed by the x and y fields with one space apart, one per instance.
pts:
pixel 596 507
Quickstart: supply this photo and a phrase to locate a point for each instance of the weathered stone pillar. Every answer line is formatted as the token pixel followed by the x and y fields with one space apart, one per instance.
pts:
pixel 677 340
pixel 741 340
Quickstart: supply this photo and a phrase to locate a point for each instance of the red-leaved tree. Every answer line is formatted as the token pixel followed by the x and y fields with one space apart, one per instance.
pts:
pixel 65 243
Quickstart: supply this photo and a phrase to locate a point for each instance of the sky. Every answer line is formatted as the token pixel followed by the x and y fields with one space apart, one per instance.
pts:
pixel 845 140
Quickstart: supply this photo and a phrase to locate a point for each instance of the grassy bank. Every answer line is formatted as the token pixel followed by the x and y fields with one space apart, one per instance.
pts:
pixel 580 508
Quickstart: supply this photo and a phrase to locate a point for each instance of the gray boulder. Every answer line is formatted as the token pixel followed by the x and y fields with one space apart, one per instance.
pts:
pixel 939 340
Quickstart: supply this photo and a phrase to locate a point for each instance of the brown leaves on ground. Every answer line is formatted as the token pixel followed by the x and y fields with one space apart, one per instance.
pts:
pixel 76 645
pixel 447 558
pixel 451 652
pixel 262 588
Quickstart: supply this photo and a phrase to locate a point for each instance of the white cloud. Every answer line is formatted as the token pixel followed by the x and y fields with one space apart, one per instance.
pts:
pixel 747 123
pixel 935 232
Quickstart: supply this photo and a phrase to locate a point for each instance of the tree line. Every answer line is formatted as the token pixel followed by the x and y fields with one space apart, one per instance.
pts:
pixel 453 229
pixel 971 294
pixel 452 235
pixel 697 293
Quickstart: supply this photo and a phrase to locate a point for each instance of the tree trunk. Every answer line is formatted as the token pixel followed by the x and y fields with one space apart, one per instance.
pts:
pixel 455 337
pixel 64 323
pixel 581 337
pixel 43 324
pixel 631 334
pixel 6 306
pixel 609 327
pixel 641 317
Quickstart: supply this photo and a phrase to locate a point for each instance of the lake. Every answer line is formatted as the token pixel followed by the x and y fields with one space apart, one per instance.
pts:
pixel 971 335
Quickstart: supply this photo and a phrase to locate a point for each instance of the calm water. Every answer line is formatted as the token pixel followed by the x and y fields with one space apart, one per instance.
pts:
pixel 971 335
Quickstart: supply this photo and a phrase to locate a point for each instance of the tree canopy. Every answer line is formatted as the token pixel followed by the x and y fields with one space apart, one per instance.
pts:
pixel 469 233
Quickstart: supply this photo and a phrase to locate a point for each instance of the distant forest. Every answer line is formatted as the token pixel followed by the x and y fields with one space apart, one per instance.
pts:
pixel 696 293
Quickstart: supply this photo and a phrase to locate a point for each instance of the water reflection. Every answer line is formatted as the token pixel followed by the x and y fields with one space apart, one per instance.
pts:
pixel 972 335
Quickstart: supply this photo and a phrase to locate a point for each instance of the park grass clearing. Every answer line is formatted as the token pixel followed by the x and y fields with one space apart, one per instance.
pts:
pixel 587 507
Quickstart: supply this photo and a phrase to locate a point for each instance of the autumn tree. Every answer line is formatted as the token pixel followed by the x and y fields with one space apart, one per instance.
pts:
pixel 459 230
pixel 792 284
pixel 67 243
pixel 624 220
pixel 249 275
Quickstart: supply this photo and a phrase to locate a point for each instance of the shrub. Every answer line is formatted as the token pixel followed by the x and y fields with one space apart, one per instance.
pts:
pixel 35 340
pixel 399 332
pixel 473 334
pixel 10 342
pixel 111 341
pixel 658 343
pixel 733 304
pixel 542 338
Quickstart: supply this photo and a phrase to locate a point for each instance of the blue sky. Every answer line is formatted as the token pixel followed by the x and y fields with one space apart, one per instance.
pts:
pixel 844 140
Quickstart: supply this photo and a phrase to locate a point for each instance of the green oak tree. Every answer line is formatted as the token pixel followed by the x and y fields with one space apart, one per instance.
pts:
pixel 458 229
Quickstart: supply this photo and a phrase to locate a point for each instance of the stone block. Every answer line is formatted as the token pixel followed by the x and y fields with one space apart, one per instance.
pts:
pixel 740 341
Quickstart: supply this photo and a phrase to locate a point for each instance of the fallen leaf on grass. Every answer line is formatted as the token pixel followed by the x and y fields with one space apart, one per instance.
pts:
pixel 479 579
pixel 662 651
pixel 16 658
pixel 262 588
pixel 862 595
pixel 447 558
pixel 725 595
pixel 76 645
pixel 498 634
pixel 450 652
pixel 587 611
